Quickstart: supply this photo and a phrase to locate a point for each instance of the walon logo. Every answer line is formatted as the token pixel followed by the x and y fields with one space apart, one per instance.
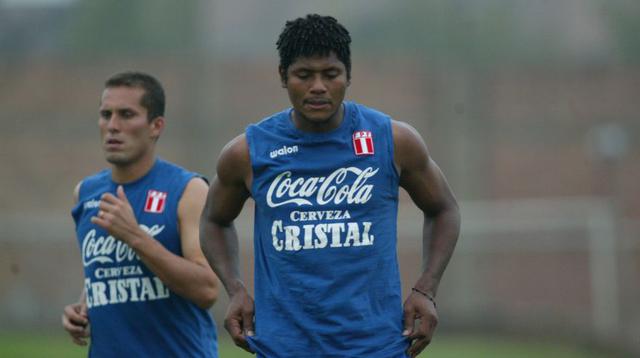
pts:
pixel 283 151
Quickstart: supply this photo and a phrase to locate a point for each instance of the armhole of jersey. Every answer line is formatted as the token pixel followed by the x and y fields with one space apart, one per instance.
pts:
pixel 206 181
pixel 81 187
pixel 189 176
pixel 77 206
pixel 249 138
pixel 392 154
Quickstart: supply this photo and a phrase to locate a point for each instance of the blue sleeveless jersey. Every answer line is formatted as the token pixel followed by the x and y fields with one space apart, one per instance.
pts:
pixel 131 312
pixel 326 270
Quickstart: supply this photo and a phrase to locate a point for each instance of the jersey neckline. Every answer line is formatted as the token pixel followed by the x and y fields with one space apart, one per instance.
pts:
pixel 347 120
pixel 139 180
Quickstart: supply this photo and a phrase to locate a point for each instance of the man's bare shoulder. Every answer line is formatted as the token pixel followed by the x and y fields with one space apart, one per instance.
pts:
pixel 196 186
pixel 193 198
pixel 409 147
pixel 234 161
pixel 403 131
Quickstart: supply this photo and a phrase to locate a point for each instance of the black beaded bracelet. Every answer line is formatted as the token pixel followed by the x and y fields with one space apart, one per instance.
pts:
pixel 428 296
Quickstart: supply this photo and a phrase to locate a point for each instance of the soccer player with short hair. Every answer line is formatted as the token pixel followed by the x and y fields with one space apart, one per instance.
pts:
pixel 325 176
pixel 147 285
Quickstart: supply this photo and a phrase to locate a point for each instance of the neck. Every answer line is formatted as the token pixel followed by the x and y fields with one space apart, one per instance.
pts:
pixel 307 125
pixel 123 174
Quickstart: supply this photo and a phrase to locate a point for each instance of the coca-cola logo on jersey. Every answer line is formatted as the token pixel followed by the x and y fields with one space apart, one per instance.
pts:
pixel 334 188
pixel 106 249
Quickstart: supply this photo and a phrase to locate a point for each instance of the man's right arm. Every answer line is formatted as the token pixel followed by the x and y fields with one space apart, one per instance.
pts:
pixel 218 237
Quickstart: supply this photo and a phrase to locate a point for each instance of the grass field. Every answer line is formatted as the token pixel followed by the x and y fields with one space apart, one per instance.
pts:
pixel 59 346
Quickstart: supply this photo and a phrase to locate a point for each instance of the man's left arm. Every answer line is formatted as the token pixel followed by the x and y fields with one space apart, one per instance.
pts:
pixel 189 275
pixel 423 180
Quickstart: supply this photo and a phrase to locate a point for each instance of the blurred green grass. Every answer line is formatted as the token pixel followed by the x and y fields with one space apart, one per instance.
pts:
pixel 32 345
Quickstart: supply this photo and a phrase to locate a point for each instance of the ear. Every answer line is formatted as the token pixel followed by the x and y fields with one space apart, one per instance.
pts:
pixel 283 76
pixel 157 126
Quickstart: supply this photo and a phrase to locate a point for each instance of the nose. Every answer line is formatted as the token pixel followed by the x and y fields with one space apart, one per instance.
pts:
pixel 318 85
pixel 113 123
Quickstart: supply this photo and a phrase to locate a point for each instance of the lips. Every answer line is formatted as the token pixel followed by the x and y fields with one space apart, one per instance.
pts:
pixel 113 143
pixel 317 103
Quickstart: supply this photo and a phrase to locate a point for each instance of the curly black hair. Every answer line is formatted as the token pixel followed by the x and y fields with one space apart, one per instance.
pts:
pixel 313 35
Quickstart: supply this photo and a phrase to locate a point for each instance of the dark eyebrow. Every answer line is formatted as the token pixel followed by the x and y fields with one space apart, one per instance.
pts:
pixel 324 70
pixel 127 110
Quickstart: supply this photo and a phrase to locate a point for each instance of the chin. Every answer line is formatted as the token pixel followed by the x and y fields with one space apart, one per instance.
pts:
pixel 316 117
pixel 319 120
pixel 117 159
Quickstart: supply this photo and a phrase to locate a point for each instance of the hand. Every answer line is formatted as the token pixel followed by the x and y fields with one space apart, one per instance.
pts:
pixel 239 318
pixel 420 320
pixel 117 217
pixel 76 322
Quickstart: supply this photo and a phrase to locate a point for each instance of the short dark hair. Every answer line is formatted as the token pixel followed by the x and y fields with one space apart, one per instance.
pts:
pixel 313 35
pixel 153 97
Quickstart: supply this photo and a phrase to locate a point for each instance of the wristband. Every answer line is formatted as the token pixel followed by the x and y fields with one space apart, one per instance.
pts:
pixel 428 296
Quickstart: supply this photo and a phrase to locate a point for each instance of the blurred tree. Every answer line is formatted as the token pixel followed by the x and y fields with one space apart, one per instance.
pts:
pixel 127 27
pixel 625 27
pixel 478 33
pixel 493 33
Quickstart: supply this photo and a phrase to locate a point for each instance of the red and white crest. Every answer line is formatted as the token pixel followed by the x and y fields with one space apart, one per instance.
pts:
pixel 363 143
pixel 155 201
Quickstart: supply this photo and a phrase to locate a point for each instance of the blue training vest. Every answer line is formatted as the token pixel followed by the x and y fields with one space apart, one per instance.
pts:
pixel 326 270
pixel 131 312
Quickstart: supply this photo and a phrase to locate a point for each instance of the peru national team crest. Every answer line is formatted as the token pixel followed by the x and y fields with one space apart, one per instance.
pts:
pixel 363 143
pixel 155 201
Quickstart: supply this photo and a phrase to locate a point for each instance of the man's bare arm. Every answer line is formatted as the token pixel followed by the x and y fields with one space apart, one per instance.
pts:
pixel 219 239
pixel 421 177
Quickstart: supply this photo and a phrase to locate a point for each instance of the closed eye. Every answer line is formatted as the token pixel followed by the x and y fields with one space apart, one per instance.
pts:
pixel 303 75
pixel 332 74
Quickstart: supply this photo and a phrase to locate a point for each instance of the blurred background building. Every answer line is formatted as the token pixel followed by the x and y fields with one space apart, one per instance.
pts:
pixel 530 107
